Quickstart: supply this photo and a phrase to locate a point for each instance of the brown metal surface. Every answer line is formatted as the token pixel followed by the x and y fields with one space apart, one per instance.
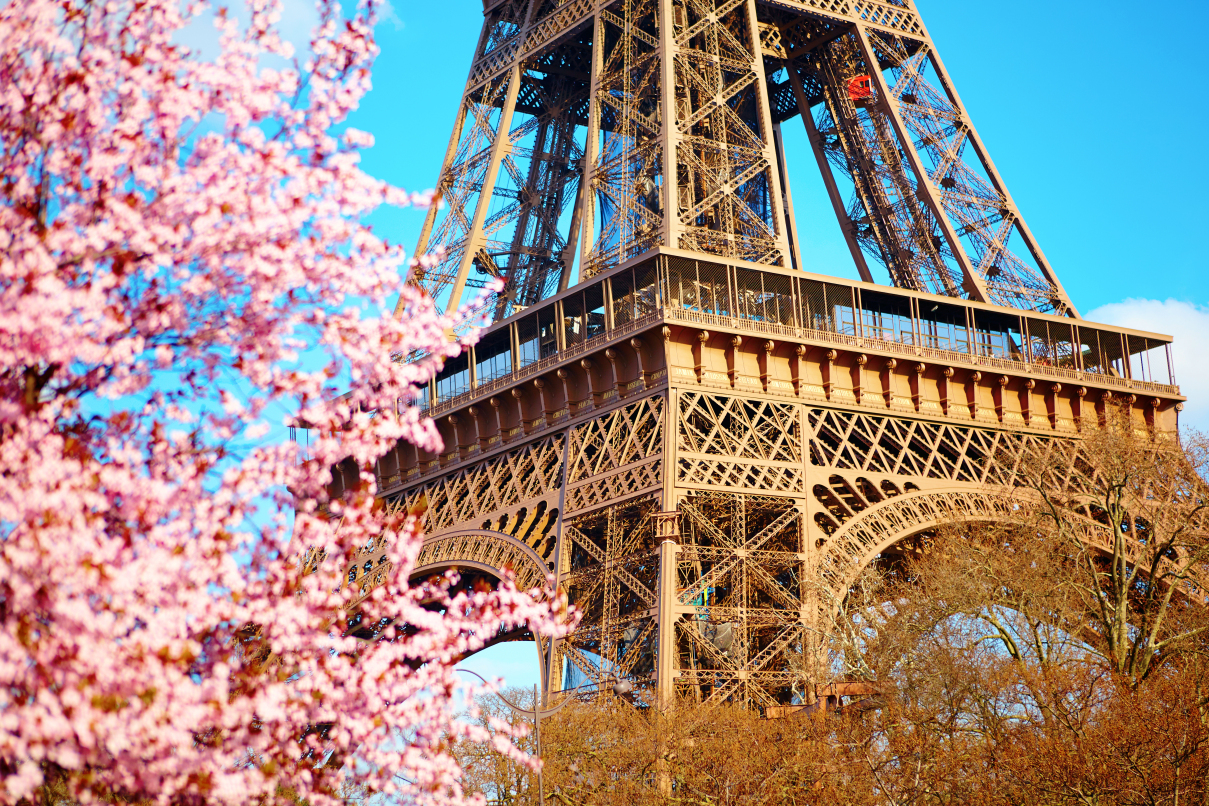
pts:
pixel 704 443
pixel 709 473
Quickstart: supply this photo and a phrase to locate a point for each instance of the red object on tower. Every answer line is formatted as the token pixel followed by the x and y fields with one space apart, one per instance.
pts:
pixel 860 88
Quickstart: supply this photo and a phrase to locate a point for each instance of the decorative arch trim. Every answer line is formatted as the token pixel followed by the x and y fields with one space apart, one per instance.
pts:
pixel 851 549
pixel 860 541
pixel 493 552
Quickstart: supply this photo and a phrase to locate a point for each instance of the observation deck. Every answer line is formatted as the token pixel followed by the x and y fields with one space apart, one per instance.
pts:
pixel 670 318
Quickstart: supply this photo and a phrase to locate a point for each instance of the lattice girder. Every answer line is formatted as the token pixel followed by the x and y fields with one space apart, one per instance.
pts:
pixel 528 475
pixel 612 577
pixel 595 129
pixel 461 184
pixel 625 147
pixel 740 428
pixel 934 219
pixel 628 435
pixel 725 182
pixel 701 435
pixel 740 567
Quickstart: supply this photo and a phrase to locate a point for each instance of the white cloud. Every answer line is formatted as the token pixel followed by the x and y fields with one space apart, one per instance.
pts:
pixel 387 14
pixel 1188 325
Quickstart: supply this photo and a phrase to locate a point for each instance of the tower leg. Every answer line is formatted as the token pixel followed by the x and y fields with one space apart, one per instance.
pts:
pixel 791 223
pixel 833 191
pixel 924 188
pixel 666 662
pixel 476 239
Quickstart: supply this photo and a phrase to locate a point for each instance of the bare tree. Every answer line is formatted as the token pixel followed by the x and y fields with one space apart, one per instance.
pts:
pixel 499 778
pixel 1128 508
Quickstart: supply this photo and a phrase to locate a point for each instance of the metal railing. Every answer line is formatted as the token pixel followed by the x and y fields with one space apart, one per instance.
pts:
pixel 689 316
pixel 543 364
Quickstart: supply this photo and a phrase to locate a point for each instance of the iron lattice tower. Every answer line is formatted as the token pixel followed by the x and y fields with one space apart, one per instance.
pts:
pixel 592 130
pixel 705 441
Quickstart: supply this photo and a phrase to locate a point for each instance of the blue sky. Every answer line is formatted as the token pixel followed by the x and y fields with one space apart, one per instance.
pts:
pixel 1094 115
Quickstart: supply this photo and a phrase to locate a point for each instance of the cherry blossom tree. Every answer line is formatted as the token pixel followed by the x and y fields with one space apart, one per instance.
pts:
pixel 184 264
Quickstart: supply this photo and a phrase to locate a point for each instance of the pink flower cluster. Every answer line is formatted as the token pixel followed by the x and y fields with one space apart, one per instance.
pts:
pixel 183 264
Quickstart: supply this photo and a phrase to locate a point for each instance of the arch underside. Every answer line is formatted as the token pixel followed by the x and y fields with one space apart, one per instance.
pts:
pixel 895 521
pixel 495 553
pixel 860 542
pixel 479 553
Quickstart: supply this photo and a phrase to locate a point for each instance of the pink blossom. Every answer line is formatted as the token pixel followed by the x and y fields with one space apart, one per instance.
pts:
pixel 174 235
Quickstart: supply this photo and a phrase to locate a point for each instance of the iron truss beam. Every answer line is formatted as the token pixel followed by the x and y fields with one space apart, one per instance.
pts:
pixel 591 131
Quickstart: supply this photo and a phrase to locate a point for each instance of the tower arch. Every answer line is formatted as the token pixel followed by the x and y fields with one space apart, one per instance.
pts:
pixel 494 554
pixel 859 542
pixel 484 550
pixel 852 548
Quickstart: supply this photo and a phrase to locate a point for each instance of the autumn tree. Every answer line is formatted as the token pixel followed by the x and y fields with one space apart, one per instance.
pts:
pixel 185 266
pixel 1057 656
pixel 1127 508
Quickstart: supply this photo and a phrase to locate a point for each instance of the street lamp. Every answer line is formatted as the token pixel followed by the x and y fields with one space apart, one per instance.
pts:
pixel 537 715
pixel 621 687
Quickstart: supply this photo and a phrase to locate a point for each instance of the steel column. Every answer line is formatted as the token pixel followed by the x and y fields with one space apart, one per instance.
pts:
pixel 476 239
pixel 924 187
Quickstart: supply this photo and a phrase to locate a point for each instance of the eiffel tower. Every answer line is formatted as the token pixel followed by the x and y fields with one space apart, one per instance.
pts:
pixel 705 440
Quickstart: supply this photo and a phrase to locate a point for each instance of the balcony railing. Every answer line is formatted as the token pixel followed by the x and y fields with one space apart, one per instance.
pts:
pixel 686 316
pixel 779 304
pixel 543 364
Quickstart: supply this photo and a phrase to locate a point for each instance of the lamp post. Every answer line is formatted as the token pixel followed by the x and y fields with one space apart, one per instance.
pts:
pixel 621 688
pixel 537 715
